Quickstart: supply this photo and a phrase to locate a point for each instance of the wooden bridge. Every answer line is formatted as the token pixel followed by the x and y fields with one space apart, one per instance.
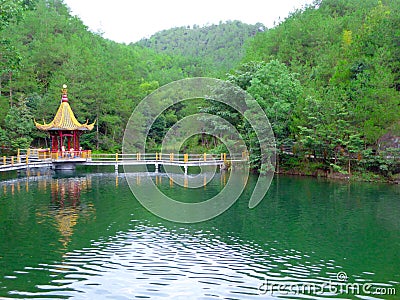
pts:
pixel 68 160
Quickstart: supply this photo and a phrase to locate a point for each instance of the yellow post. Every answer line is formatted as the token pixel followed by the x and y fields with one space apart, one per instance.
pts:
pixel 185 157
pixel 205 156
pixel 224 157
pixel 171 156
pixel 4 160
pixel 156 155
pixel 116 157
pixel 137 156
pixel 12 160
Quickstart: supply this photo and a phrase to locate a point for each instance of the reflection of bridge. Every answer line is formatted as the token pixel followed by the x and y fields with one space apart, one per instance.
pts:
pixel 37 158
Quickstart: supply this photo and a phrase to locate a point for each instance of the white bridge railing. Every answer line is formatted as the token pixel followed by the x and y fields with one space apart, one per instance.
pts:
pixel 163 157
pixel 26 158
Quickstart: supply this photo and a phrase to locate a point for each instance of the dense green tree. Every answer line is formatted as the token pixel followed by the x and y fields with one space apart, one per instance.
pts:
pixel 11 11
pixel 277 91
pixel 18 127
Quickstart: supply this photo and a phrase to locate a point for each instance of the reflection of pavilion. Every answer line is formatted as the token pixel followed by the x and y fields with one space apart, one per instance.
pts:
pixel 66 206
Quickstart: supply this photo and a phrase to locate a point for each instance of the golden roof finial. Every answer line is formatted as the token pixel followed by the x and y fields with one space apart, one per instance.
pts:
pixel 64 90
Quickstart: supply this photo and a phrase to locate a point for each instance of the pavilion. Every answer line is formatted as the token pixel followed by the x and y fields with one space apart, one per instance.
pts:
pixel 65 129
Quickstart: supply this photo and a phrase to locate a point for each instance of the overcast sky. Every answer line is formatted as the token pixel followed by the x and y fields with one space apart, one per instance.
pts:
pixel 128 21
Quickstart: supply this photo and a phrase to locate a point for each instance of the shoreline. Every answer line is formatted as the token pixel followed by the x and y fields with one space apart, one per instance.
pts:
pixel 337 176
pixel 332 176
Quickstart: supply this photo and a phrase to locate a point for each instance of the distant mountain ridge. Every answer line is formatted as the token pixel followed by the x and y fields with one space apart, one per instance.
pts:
pixel 216 47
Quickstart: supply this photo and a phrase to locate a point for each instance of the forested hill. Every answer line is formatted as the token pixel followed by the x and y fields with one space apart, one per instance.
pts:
pixel 327 77
pixel 340 61
pixel 216 47
pixel 346 54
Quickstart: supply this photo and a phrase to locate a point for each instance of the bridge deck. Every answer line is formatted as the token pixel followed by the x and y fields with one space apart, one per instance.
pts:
pixel 153 162
pixel 26 161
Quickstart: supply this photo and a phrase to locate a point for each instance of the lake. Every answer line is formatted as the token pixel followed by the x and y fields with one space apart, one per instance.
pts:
pixel 84 236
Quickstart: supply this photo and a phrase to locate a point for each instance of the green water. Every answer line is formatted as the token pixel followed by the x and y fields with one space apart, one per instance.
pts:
pixel 84 236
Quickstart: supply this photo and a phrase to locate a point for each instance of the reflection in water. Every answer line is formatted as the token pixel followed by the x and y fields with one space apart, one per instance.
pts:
pixel 65 205
pixel 192 180
pixel 87 237
pixel 180 179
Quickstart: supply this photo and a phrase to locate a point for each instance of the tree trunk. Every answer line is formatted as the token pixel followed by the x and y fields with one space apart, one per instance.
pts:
pixel 97 135
pixel 277 163
pixel 10 78
pixel 97 130
pixel 349 167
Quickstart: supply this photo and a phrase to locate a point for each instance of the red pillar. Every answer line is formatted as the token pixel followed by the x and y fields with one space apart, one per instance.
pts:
pixel 54 143
pixel 76 138
pixel 61 139
pixel 75 144
pixel 61 144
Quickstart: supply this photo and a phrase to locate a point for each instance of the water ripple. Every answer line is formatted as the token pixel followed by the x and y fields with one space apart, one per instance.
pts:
pixel 150 262
pixel 149 259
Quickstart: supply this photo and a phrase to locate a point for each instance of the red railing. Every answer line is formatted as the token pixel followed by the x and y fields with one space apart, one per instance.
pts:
pixel 66 154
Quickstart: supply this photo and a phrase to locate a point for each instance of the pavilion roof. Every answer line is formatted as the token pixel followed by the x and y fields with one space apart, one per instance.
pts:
pixel 65 118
